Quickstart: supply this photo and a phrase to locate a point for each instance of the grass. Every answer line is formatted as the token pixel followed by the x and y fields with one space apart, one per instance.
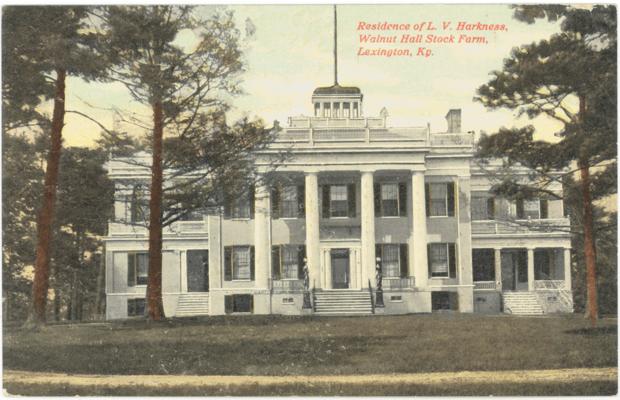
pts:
pixel 276 345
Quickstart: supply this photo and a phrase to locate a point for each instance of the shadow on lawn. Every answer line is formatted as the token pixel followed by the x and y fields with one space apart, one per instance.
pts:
pixel 598 331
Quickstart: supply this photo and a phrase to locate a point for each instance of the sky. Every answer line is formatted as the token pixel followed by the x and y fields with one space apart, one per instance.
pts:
pixel 291 53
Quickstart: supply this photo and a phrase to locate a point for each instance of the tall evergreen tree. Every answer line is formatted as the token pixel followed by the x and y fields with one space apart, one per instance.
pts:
pixel 41 47
pixel 571 78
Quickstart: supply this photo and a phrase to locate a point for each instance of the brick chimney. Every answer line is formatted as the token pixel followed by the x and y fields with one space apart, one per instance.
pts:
pixel 454 120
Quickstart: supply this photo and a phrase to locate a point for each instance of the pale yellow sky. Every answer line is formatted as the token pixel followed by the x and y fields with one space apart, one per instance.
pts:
pixel 291 54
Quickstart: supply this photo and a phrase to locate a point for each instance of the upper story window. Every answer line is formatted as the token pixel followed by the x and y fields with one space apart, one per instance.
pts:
pixel 288 201
pixel 390 199
pixel 532 209
pixel 242 207
pixel 441 260
pixel 137 269
pixel 317 109
pixel 239 263
pixel 482 208
pixel 393 257
pixel 440 199
pixel 346 110
pixel 327 110
pixel 339 201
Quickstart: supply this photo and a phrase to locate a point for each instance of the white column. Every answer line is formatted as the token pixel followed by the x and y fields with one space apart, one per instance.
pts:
pixel 530 269
pixel 420 263
pixel 262 245
pixel 368 229
pixel 312 229
pixel 568 279
pixel 498 269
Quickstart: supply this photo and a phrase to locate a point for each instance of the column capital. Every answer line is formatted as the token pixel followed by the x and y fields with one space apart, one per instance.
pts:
pixel 418 169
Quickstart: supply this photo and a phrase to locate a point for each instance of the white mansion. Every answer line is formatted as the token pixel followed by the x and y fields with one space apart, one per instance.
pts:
pixel 360 206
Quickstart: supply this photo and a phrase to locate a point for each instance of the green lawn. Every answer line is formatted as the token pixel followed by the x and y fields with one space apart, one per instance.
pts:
pixel 275 345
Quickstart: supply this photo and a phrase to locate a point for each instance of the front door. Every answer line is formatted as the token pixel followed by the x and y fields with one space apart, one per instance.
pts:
pixel 198 270
pixel 514 269
pixel 340 268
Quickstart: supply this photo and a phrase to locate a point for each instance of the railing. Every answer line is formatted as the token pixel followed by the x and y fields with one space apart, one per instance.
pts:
pixel 324 122
pixel 180 227
pixel 520 226
pixel 398 283
pixel 486 285
pixel 549 284
pixel 452 139
pixel 344 134
pixel 287 285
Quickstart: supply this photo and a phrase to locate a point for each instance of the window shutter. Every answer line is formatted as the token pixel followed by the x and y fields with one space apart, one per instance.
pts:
pixel 452 259
pixel 227 207
pixel 326 213
pixel 228 304
pixel 131 269
pixel 251 196
pixel 404 261
pixel 428 260
pixel 351 199
pixel 377 197
pixel 451 196
pixel 228 263
pixel 301 201
pixel 251 305
pixel 427 198
pixel 275 262
pixel 275 202
pixel 402 199
pixel 544 209
pixel 491 208
pixel 252 266
pixel 520 212
pixel 301 254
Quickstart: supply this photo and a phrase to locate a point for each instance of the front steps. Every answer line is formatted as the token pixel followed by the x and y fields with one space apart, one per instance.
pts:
pixel 342 302
pixel 192 304
pixel 521 303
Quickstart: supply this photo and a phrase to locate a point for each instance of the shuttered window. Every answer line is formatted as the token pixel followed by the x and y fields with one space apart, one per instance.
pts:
pixel 338 201
pixel 390 262
pixel 440 199
pixel 389 200
pixel 290 262
pixel 441 260
pixel 482 208
pixel 137 269
pixel 241 263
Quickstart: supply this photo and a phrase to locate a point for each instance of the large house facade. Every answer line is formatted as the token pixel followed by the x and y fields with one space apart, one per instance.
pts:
pixel 356 207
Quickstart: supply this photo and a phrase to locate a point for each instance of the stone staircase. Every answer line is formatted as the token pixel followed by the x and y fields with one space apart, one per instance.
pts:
pixel 521 303
pixel 342 302
pixel 192 304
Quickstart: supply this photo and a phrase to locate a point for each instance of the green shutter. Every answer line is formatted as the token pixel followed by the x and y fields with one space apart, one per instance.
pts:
pixel 404 260
pixel 275 202
pixel 402 199
pixel 351 199
pixel 275 262
pixel 325 205
pixel 452 259
pixel 377 198
pixel 301 254
pixel 228 263
pixel 301 201
pixel 131 269
pixel 451 199
pixel 252 263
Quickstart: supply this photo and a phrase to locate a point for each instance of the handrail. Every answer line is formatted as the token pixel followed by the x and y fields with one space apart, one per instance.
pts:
pixel 372 301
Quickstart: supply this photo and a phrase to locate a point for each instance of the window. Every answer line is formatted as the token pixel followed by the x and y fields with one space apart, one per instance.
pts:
pixel 137 268
pixel 239 303
pixel 288 201
pixel 441 260
pixel 338 201
pixel 390 199
pixel 327 111
pixel 139 209
pixel 241 207
pixel 440 199
pixel 336 110
pixel 317 109
pixel 442 301
pixel 287 261
pixel 136 307
pixel 532 209
pixel 393 260
pixel 482 208
pixel 483 264
pixel 356 112
pixel 548 264
pixel 346 109
pixel 239 263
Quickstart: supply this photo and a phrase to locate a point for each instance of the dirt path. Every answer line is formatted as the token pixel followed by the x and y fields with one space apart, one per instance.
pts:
pixel 465 377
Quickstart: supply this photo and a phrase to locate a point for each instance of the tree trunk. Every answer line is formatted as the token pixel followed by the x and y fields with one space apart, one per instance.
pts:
pixel 56 305
pixel 46 214
pixel 153 290
pixel 588 243
pixel 74 296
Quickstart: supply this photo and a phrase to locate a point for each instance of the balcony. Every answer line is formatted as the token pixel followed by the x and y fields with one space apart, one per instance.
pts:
pixel 183 228
pixel 398 283
pixel 532 227
pixel 287 285
pixel 485 285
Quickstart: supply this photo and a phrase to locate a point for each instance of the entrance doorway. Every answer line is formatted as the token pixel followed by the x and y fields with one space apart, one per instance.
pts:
pixel 198 270
pixel 340 268
pixel 514 269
